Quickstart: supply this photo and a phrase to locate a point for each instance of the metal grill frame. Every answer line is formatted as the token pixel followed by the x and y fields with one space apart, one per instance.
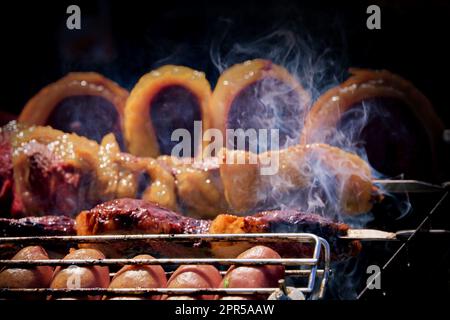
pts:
pixel 317 278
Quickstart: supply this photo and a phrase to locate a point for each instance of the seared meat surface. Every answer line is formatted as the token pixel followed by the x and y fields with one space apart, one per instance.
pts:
pixel 37 226
pixel 283 221
pixel 131 216
pixel 126 216
pixel 135 217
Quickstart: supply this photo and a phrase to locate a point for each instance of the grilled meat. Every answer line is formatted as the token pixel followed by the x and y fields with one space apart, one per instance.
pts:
pixel 37 226
pixel 131 216
pixel 342 180
pixel 85 103
pixel 50 172
pixel 126 216
pixel 279 221
pixel 163 100
pixel 6 170
pixel 199 186
pixel 234 181
pixel 386 101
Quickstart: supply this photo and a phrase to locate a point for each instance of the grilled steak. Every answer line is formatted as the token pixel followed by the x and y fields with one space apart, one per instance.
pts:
pixel 140 217
pixel 136 216
pixel 131 216
pixel 37 226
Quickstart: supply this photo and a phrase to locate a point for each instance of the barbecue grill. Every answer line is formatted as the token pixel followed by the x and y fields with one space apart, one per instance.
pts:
pixel 315 268
pixel 313 272
pixel 411 252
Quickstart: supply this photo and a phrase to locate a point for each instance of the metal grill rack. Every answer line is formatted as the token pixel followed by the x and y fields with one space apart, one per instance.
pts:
pixel 315 268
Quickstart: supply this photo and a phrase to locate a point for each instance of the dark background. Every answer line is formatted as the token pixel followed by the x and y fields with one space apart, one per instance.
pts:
pixel 125 39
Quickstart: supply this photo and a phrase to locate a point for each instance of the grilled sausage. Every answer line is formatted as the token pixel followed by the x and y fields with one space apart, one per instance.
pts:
pixel 266 276
pixel 195 276
pixel 81 277
pixel 139 276
pixel 33 277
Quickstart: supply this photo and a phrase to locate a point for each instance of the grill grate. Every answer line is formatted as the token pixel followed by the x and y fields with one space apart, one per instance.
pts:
pixel 315 268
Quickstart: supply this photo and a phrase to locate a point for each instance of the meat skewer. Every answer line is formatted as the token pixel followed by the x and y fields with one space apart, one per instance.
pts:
pixel 51 172
pixel 38 227
pixel 60 228
pixel 342 177
pixel 122 217
pixel 129 216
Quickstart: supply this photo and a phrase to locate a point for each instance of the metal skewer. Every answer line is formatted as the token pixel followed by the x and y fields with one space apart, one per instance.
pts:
pixel 180 261
pixel 377 235
pixel 225 237
pixel 411 186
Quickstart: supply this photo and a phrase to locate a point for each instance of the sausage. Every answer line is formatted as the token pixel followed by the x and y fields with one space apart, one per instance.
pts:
pixel 33 277
pixel 180 298
pixel 139 276
pixel 81 277
pixel 236 298
pixel 266 276
pixel 195 276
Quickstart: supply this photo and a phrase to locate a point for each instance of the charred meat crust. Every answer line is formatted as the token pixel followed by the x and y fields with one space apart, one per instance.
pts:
pixel 37 226
pixel 131 216
pixel 297 222
pixel 136 216
pixel 293 221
